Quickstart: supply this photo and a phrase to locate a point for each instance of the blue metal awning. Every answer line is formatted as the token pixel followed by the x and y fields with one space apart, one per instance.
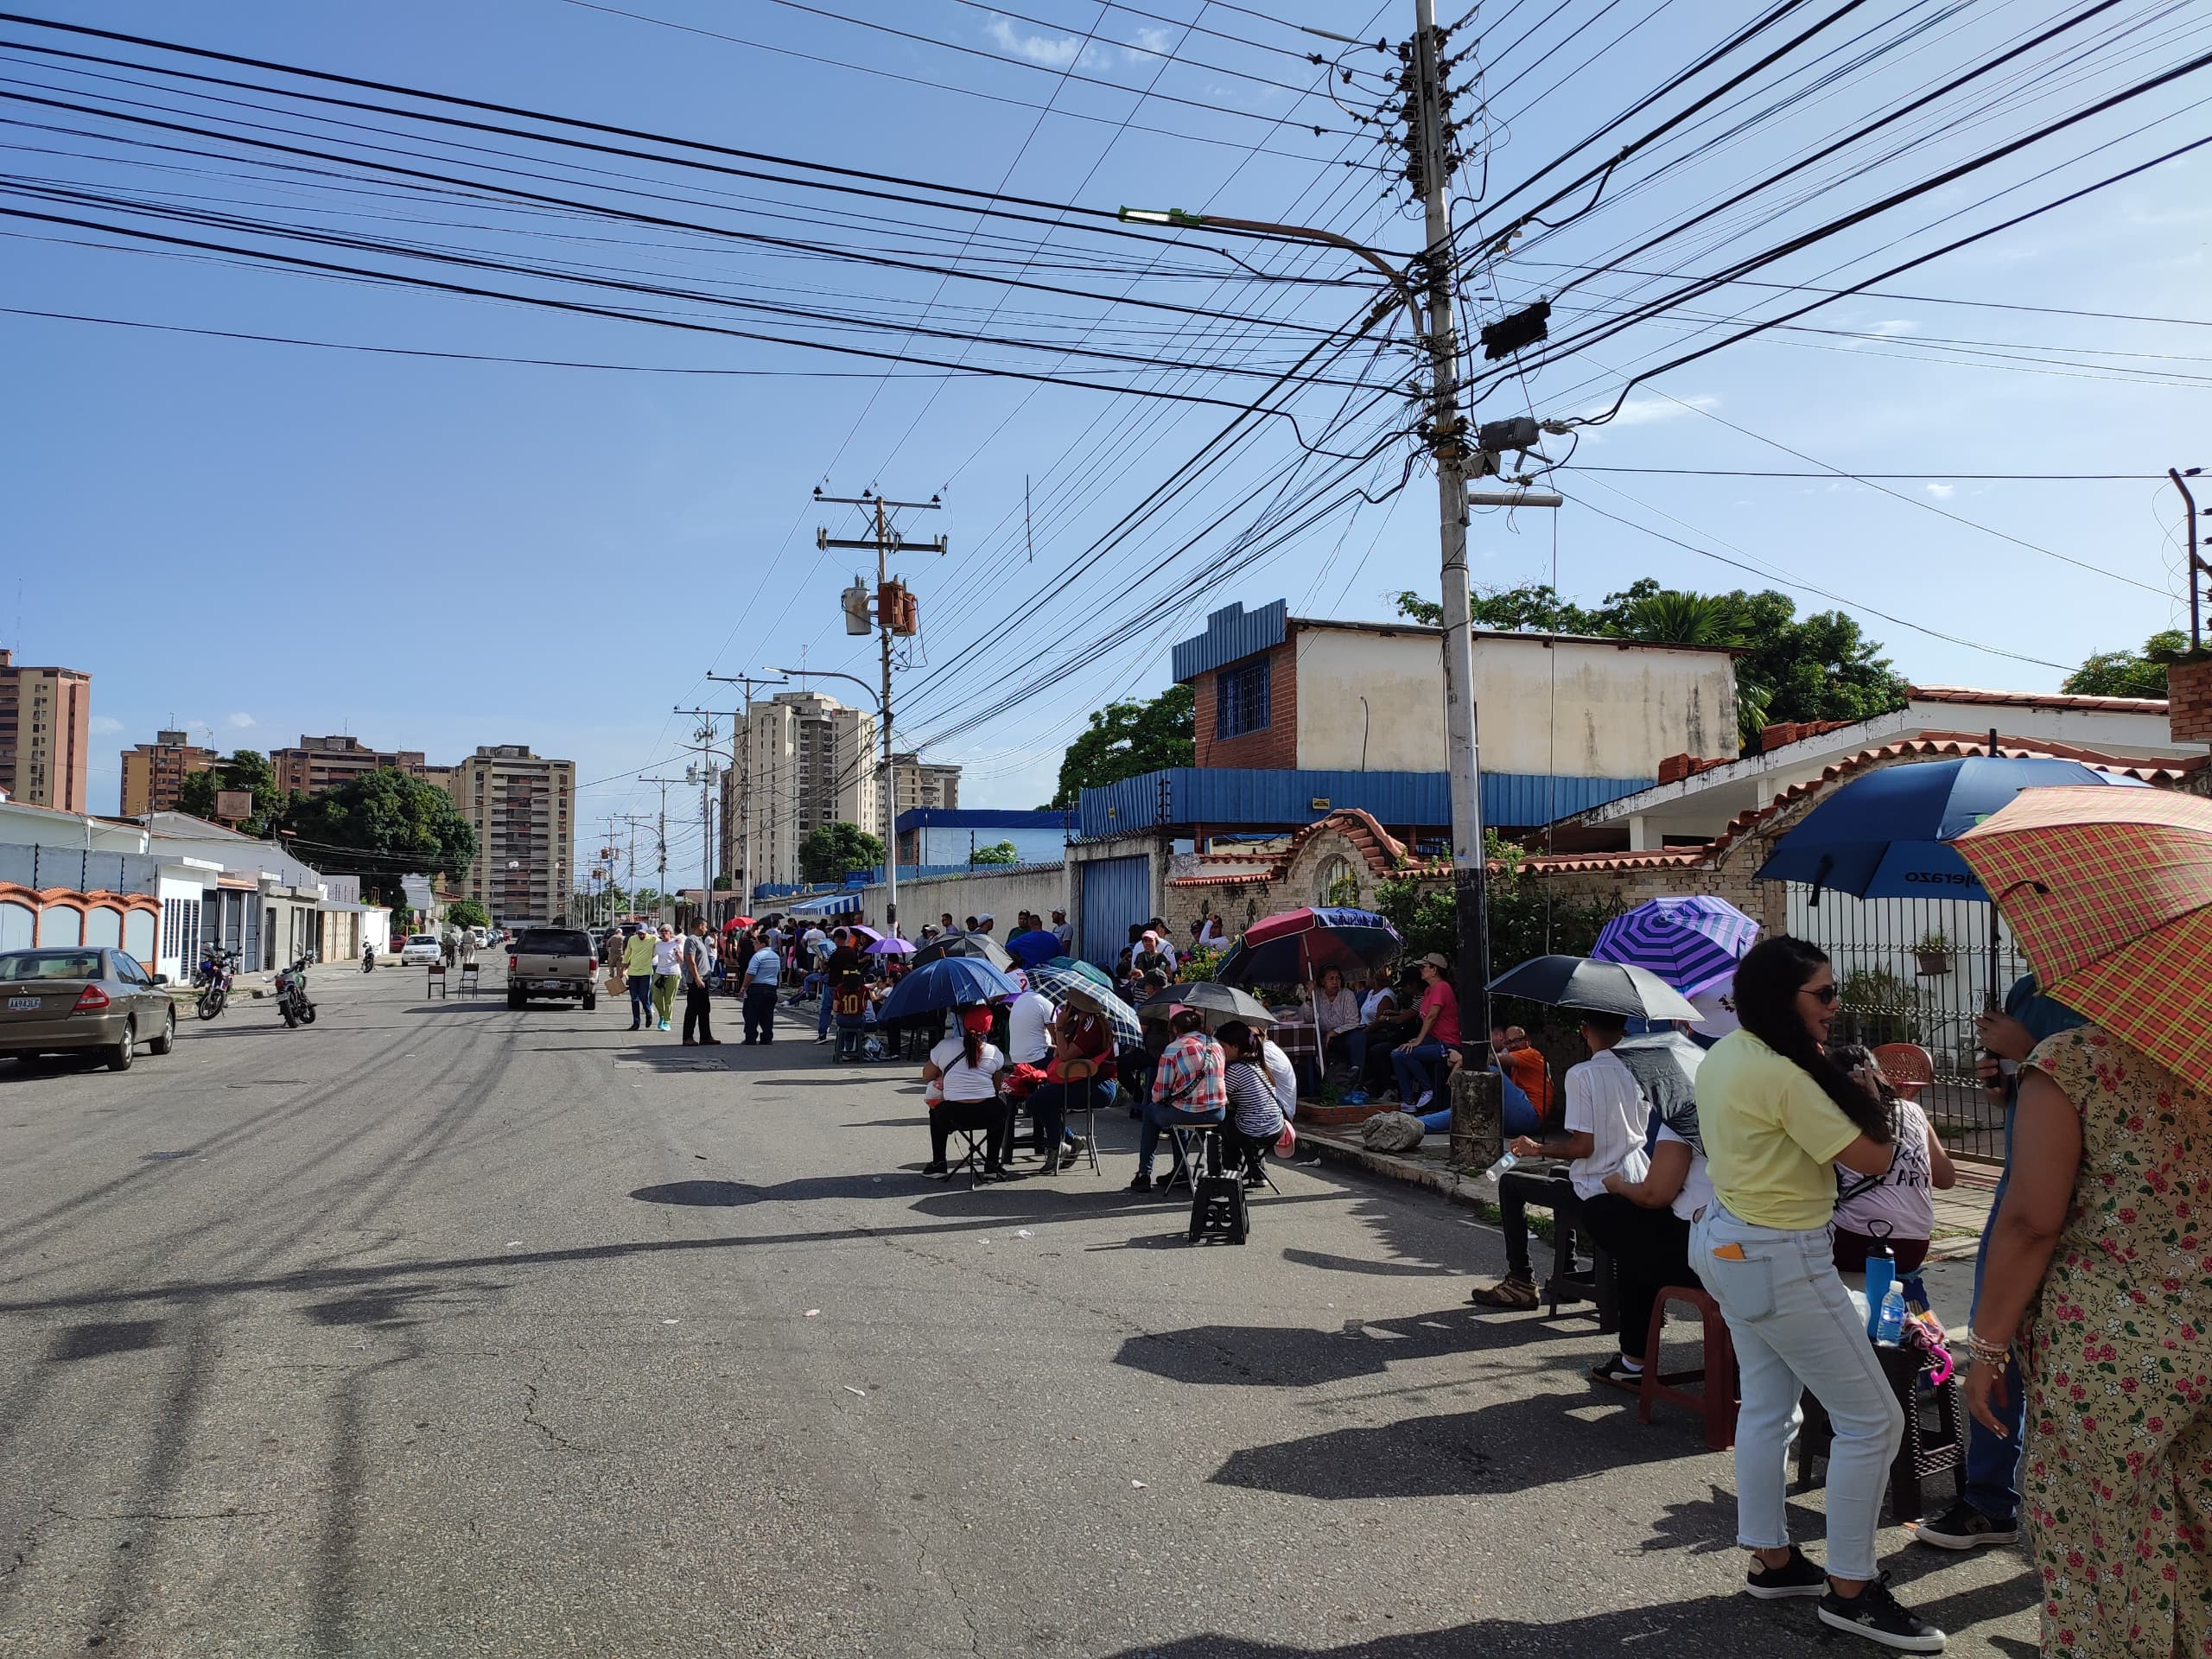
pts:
pixel 1227 798
pixel 836 904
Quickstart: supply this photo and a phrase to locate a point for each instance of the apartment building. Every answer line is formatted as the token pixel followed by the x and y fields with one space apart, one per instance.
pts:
pixel 522 809
pixel 46 717
pixel 317 764
pixel 923 783
pixel 806 761
pixel 154 773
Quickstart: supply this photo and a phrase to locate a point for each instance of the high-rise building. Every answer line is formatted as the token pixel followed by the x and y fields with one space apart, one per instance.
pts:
pixel 806 761
pixel 924 783
pixel 154 773
pixel 320 763
pixel 46 718
pixel 522 809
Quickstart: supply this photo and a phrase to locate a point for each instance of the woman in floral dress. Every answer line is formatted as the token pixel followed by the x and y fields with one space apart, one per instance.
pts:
pixel 2101 1267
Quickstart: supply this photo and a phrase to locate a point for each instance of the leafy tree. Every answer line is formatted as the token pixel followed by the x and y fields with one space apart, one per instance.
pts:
pixel 247 769
pixel 724 882
pixel 466 913
pixel 1128 738
pixel 2129 673
pixel 1002 854
pixel 383 824
pixel 831 850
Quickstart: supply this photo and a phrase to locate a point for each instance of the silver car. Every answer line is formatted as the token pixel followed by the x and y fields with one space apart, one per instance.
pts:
pixel 68 999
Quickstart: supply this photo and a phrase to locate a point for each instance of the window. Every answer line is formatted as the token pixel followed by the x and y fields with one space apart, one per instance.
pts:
pixel 1241 699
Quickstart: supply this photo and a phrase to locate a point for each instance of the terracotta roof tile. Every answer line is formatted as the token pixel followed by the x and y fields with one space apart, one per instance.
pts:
pixel 2037 699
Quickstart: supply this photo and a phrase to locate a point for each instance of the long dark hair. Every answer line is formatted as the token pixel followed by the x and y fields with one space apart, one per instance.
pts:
pixel 971 1040
pixel 1767 983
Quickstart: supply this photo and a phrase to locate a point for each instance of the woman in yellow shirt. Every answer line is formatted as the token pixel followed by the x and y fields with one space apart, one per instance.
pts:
pixel 1777 1115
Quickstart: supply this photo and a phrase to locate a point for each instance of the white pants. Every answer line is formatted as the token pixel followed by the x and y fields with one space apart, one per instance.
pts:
pixel 1794 1327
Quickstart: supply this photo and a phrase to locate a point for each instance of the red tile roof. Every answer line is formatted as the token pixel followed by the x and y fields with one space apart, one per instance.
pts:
pixel 2037 700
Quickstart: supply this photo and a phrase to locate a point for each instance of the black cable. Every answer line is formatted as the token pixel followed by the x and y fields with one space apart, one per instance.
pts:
pixel 1832 473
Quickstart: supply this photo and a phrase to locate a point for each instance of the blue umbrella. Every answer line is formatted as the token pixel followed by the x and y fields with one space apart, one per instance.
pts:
pixel 1035 946
pixel 1692 943
pixel 1886 835
pixel 945 983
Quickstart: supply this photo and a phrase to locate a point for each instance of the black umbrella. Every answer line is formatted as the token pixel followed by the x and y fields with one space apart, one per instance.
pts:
pixel 1217 1002
pixel 1595 986
pixel 957 944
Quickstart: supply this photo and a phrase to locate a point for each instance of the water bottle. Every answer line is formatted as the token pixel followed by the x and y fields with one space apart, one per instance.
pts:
pixel 1889 1324
pixel 1501 1166
pixel 1881 1274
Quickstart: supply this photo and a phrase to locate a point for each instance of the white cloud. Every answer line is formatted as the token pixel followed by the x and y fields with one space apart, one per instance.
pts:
pixel 1642 411
pixel 1940 491
pixel 104 724
pixel 1150 43
pixel 1038 49
pixel 241 721
pixel 1894 327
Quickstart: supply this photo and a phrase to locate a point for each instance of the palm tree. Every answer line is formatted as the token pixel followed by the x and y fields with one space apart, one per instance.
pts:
pixel 1671 617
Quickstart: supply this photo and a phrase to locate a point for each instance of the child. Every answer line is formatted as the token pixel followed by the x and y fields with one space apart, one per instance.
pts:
pixel 1898 1207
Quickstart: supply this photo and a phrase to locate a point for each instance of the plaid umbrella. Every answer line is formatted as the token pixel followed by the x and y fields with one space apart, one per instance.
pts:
pixel 1121 1019
pixel 1693 943
pixel 1061 974
pixel 2109 892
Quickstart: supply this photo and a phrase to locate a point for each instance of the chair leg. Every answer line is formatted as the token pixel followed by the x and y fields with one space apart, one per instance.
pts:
pixel 1563 1260
pixel 1647 1390
pixel 1720 1384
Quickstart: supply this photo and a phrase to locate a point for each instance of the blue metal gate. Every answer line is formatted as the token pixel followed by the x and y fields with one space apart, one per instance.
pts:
pixel 1115 891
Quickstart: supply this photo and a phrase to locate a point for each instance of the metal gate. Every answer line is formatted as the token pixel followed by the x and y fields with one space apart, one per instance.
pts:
pixel 1116 892
pixel 1917 971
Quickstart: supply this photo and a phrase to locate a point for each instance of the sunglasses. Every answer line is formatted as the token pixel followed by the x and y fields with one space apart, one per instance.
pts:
pixel 1826 996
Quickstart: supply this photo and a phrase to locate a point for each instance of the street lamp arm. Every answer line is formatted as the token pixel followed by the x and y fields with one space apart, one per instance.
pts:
pixel 1176 219
pixel 832 673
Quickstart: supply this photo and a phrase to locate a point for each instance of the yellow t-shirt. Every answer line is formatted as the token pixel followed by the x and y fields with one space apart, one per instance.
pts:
pixel 1771 1135
pixel 637 955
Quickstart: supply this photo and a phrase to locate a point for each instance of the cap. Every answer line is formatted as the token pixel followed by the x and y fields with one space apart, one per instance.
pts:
pixel 1433 959
pixel 987 917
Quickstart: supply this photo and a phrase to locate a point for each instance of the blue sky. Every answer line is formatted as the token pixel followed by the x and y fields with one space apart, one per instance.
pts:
pixel 265 540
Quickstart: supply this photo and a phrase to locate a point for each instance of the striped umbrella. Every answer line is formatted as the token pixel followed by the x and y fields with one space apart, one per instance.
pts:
pixel 1121 1019
pixel 1055 978
pixel 2109 892
pixel 1694 943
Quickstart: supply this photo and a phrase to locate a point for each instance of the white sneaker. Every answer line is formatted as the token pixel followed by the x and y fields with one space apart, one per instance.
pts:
pixel 663 1024
pixel 1421 1105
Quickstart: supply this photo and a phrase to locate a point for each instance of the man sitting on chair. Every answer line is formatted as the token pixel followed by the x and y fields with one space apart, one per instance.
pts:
pixel 1188 1091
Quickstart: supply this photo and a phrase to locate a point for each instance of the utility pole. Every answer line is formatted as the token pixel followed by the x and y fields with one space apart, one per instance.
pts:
pixel 2194 566
pixel 886 624
pixel 660 841
pixel 706 773
pixel 631 820
pixel 741 760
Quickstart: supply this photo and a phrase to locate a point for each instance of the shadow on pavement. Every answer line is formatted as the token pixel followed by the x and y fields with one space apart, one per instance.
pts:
pixel 1352 1264
pixel 732 1194
pixel 110 1336
pixel 1276 1356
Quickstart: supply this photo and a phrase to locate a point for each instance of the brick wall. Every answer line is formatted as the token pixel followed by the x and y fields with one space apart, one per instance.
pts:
pixel 1273 748
pixel 2189 702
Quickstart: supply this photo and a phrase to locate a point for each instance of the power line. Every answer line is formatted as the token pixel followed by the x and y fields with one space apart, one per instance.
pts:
pixel 1833 474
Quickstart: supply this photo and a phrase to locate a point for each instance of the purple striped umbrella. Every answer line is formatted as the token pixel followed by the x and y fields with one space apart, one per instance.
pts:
pixel 1694 943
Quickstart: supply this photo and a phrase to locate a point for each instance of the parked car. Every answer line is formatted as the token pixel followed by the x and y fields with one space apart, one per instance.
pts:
pixel 552 962
pixel 420 951
pixel 71 999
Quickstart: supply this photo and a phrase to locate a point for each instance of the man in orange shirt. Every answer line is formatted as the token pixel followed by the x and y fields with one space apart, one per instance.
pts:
pixel 1522 1063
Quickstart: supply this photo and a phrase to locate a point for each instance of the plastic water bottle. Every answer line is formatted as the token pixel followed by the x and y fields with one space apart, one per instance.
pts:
pixel 1889 1324
pixel 1501 1166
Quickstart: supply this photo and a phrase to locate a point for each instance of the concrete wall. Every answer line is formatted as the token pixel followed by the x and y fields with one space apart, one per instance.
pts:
pixel 1004 893
pixel 1568 708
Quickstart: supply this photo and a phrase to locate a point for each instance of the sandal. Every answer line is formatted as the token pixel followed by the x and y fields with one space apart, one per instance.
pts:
pixel 1516 1293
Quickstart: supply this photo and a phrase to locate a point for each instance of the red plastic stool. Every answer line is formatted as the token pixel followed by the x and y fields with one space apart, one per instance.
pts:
pixel 1716 1396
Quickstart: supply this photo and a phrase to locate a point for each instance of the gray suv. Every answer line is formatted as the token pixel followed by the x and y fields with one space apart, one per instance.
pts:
pixel 68 999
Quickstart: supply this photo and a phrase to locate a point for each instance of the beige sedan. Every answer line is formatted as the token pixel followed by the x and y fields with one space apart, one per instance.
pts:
pixel 69 999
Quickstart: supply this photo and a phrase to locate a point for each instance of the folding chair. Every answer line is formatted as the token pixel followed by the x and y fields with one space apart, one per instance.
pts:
pixel 974 1141
pixel 1086 1073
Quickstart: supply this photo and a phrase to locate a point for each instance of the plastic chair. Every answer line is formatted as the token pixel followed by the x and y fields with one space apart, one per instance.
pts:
pixel 1716 1398
pixel 469 977
pixel 1921 1454
pixel 1908 1067
pixel 436 980
pixel 1086 1073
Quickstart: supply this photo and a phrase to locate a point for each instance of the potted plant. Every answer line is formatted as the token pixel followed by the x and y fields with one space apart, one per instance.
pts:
pixel 1933 951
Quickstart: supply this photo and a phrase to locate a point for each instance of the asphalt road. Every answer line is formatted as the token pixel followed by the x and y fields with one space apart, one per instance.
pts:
pixel 437 1329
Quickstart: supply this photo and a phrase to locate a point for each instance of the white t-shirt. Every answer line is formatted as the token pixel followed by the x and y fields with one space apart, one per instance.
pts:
pixel 1283 1075
pixel 766 968
pixel 1697 1185
pixel 962 1081
pixel 1025 1027
pixel 1905 1196
pixel 668 955
pixel 1604 1102
pixel 1372 1001
pixel 816 942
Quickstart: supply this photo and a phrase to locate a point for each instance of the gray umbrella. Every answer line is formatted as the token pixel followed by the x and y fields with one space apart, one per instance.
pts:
pixel 957 943
pixel 1217 1002
pixel 1595 986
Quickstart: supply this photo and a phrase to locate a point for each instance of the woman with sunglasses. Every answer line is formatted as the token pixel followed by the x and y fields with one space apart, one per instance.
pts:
pixel 1777 1116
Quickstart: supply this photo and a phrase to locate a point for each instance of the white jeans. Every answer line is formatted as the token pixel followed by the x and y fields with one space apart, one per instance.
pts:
pixel 1795 1326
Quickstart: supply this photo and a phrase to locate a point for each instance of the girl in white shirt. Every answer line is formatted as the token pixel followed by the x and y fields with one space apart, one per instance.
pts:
pixel 965 1070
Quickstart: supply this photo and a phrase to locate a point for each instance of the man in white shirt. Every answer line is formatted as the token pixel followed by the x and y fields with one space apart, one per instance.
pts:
pixel 1061 930
pixel 763 971
pixel 1028 1018
pixel 1606 1118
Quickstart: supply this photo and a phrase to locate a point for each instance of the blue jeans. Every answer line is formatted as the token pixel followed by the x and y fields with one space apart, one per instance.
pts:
pixel 1993 1462
pixel 1410 1063
pixel 641 999
pixel 822 1024
pixel 1793 1323
pixel 1158 1117
pixel 1515 1114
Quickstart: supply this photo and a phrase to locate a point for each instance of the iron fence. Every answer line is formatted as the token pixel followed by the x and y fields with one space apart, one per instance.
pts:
pixel 1918 970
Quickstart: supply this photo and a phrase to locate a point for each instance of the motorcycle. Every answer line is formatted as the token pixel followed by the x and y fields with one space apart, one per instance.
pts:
pixel 292 996
pixel 217 967
pixel 368 958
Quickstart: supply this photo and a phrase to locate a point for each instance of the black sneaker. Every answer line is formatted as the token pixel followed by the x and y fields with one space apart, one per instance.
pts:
pixel 1618 1372
pixel 1964 1526
pixel 1874 1614
pixel 938 1169
pixel 1795 1577
pixel 1142 1184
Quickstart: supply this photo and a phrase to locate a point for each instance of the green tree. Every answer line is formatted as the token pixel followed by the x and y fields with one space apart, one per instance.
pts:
pixel 247 769
pixel 2129 673
pixel 1001 853
pixel 1127 739
pixel 831 850
pixel 466 913
pixel 382 824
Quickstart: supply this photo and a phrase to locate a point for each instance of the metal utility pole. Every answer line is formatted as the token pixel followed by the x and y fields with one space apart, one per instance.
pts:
pixel 706 773
pixel 741 760
pixel 886 540
pixel 633 820
pixel 2195 567
pixel 660 840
